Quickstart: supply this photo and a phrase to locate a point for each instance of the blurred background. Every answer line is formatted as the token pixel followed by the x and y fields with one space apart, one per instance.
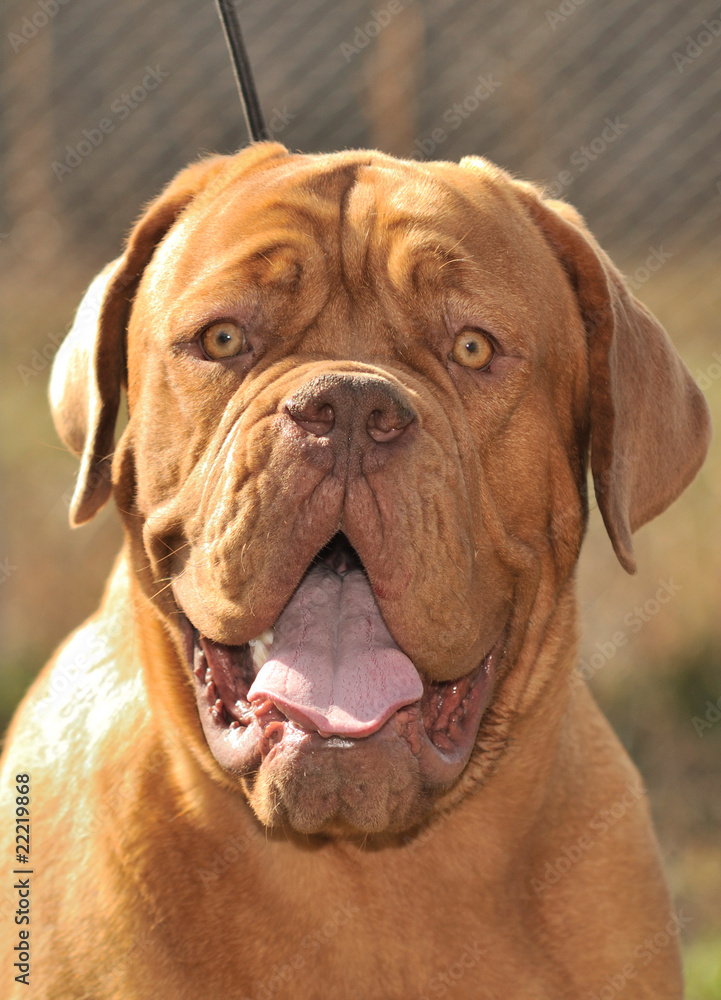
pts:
pixel 614 104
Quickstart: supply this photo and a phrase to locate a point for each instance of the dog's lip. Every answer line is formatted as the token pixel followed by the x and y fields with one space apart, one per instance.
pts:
pixel 242 736
pixel 243 730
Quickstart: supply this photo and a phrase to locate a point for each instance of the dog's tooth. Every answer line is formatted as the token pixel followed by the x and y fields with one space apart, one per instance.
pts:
pixel 260 657
pixel 261 647
pixel 261 652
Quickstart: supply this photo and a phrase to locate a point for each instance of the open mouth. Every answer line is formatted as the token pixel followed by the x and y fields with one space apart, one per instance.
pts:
pixel 330 675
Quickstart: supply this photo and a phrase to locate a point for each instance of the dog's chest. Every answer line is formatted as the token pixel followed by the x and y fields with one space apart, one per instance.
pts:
pixel 296 927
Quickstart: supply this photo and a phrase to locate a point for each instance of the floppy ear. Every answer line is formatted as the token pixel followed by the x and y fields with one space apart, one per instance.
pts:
pixel 650 424
pixel 89 369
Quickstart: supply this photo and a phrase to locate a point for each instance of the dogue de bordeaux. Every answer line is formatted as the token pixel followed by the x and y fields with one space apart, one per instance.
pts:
pixel 323 738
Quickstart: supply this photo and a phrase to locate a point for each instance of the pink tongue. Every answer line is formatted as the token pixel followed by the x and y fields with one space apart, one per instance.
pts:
pixel 333 665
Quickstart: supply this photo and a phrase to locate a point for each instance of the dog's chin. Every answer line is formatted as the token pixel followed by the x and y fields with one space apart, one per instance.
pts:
pixel 373 777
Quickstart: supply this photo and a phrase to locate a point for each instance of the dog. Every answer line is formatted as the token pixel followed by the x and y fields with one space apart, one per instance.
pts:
pixel 324 736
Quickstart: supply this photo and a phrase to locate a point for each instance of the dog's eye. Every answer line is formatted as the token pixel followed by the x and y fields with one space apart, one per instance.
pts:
pixel 223 340
pixel 472 349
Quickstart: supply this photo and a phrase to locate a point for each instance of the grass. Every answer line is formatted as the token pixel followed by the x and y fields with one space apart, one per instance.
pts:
pixel 702 964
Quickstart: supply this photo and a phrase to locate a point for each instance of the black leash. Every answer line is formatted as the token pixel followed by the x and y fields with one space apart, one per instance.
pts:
pixel 243 72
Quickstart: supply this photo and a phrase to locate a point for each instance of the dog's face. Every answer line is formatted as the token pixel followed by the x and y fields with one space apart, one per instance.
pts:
pixel 361 395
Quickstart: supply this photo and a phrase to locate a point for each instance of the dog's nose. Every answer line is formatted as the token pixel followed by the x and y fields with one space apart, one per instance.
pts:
pixel 351 402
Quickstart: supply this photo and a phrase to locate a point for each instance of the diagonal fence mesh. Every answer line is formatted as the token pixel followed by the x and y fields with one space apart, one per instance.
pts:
pixel 616 105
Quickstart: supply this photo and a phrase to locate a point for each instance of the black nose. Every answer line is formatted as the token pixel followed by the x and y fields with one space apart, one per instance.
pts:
pixel 357 404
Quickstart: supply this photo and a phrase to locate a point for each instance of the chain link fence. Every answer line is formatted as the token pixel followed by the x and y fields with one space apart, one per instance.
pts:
pixel 615 105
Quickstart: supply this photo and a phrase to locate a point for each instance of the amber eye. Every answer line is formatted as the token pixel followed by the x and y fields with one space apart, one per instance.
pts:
pixel 223 340
pixel 472 349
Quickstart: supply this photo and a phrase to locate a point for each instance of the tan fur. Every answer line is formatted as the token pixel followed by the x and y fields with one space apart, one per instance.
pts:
pixel 156 872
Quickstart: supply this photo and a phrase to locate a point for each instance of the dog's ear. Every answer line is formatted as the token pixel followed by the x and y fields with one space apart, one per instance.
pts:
pixel 650 423
pixel 89 369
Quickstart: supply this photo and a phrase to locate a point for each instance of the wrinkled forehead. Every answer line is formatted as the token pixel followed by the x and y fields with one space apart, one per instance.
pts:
pixel 352 220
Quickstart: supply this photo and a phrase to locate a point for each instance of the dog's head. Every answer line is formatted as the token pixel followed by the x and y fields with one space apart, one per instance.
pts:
pixel 362 395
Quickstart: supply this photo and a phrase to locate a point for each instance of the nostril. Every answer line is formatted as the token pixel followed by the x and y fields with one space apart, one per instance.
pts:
pixel 386 427
pixel 383 436
pixel 317 420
